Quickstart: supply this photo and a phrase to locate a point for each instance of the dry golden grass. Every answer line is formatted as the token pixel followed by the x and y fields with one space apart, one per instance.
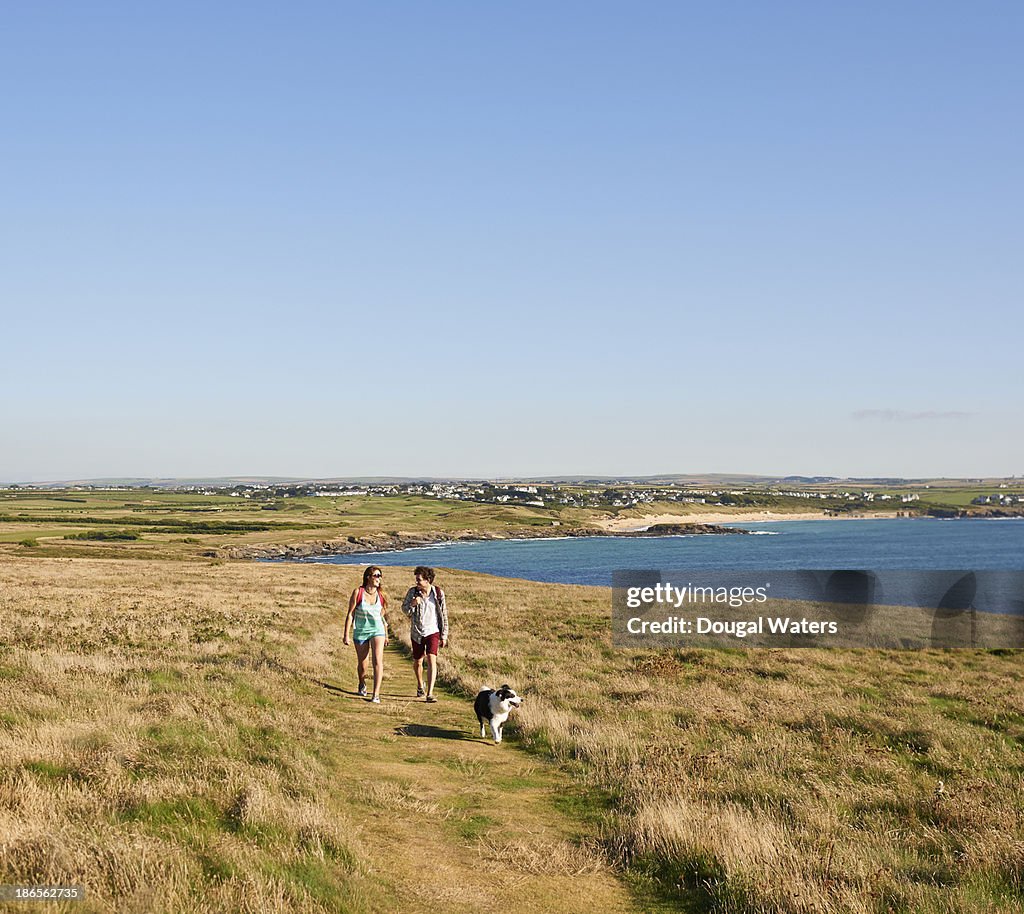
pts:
pixel 177 737
pixel 768 780
pixel 539 856
pixel 164 740
pixel 152 753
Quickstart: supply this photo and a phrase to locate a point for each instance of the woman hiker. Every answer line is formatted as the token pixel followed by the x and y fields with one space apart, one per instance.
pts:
pixel 367 619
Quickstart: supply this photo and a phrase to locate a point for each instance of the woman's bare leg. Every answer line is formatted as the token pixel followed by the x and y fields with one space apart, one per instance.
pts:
pixel 378 663
pixel 362 650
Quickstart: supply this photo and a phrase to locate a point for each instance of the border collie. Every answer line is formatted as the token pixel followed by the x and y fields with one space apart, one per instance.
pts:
pixel 493 707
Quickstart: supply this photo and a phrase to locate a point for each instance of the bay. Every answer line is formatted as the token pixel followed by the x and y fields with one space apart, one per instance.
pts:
pixel 868 544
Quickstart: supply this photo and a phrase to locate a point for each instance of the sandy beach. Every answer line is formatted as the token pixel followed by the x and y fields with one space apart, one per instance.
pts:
pixel 633 524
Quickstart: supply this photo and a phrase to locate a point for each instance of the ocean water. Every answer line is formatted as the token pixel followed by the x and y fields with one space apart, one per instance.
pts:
pixel 869 544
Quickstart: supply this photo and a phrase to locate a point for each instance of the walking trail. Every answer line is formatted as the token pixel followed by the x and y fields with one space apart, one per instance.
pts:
pixel 451 820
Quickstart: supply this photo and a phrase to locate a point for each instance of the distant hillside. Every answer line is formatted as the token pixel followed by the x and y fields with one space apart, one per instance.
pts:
pixel 688 480
pixel 168 482
pixel 227 481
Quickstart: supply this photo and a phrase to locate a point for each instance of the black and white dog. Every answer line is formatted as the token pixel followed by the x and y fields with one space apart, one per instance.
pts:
pixel 493 707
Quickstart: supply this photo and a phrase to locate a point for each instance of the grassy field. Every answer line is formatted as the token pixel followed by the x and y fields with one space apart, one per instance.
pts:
pixel 186 737
pixel 177 525
pixel 156 524
pixel 183 736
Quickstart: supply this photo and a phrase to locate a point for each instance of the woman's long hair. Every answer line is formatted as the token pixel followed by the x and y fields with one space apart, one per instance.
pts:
pixel 380 587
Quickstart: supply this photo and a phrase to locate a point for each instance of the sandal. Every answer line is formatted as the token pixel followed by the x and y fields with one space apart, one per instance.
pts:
pixel 431 700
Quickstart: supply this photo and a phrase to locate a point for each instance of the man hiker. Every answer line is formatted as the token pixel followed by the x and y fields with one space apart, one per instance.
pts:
pixel 424 604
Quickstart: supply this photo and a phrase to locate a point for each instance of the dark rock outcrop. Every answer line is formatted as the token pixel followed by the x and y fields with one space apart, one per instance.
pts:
pixel 687 530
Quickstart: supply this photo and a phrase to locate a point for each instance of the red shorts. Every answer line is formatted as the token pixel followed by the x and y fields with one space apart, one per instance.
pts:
pixel 428 645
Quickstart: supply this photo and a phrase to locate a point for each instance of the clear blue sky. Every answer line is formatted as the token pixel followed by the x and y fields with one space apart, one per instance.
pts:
pixel 497 239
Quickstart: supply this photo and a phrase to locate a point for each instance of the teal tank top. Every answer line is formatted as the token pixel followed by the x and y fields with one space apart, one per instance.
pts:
pixel 367 621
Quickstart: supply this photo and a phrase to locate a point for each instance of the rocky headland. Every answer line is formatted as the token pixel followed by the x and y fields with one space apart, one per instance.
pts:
pixel 389 542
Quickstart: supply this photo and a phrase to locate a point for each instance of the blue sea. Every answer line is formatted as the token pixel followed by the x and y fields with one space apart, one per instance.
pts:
pixel 870 544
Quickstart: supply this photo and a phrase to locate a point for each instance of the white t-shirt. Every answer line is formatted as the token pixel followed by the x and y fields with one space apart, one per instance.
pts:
pixel 428 615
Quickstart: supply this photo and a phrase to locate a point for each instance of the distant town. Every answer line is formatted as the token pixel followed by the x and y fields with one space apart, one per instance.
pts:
pixel 833 500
